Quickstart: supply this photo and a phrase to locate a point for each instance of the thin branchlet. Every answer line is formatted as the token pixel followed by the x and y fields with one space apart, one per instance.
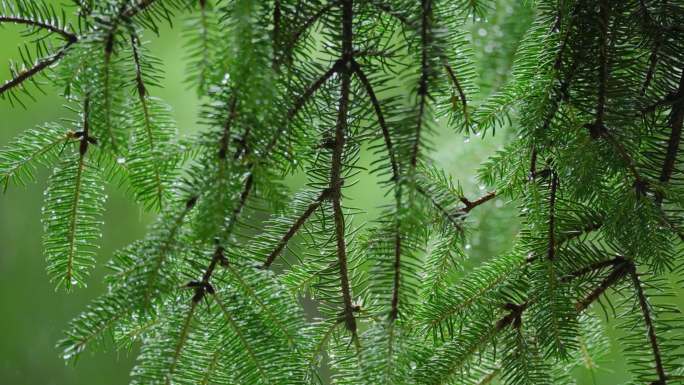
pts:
pixel 423 83
pixel 336 180
pixel 648 322
pixel 66 34
pixel 298 223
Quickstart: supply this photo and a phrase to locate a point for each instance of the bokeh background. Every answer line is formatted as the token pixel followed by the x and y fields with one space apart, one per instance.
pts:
pixel 33 314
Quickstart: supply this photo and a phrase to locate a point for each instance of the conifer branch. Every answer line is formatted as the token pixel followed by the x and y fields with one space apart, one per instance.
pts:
pixel 426 41
pixel 73 216
pixel 142 98
pixel 40 65
pixel 676 122
pixel 604 20
pixel 470 205
pixel 69 36
pixel 185 330
pixel 457 85
pixel 380 117
pixel 620 270
pixel 243 340
pixel 225 137
pixel 164 249
pixel 299 222
pixel 648 321
pixel 141 6
pixel 297 35
pixel 336 180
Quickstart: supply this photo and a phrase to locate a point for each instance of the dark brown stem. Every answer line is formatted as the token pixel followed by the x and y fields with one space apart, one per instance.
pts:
pixel 225 137
pixel 470 205
pixel 37 68
pixel 596 266
pixel 381 118
pixel 604 20
pixel 676 121
pixel 387 8
pixel 294 228
pixel 569 236
pixel 136 9
pixel 619 272
pixel 426 15
pixel 457 85
pixel 142 96
pixel 648 321
pixel 308 23
pixel 301 101
pixel 70 37
pixel 336 168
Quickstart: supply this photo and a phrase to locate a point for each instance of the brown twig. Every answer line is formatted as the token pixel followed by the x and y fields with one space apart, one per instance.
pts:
pixel 301 220
pixel 648 321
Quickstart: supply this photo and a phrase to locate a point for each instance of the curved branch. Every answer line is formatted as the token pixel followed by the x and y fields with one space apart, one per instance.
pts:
pixel 70 37
pixel 294 228
pixel 648 321
pixel 37 68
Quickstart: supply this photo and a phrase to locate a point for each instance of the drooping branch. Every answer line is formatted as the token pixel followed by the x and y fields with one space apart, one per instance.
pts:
pixel 426 41
pixel 676 122
pixel 648 322
pixel 454 81
pixel 380 116
pixel 225 137
pixel 142 98
pixel 470 205
pixel 301 220
pixel 141 6
pixel 336 180
pixel 596 130
pixel 40 65
pixel 309 22
pixel 69 36
pixel 394 306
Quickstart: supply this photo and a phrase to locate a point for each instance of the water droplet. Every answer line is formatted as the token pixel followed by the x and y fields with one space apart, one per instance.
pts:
pixel 121 160
pixel 468 246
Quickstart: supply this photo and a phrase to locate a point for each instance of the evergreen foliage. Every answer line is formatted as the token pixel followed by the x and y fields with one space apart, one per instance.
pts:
pixel 216 292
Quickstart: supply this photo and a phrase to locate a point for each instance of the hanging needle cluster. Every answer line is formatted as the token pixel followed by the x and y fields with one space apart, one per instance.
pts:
pixel 215 292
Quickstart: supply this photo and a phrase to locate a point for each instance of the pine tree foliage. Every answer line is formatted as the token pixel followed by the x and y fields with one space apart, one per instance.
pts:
pixel 242 281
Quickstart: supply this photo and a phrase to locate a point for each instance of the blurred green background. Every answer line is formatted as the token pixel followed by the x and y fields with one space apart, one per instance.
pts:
pixel 33 314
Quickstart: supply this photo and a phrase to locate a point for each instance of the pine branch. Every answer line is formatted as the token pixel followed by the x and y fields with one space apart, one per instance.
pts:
pixel 426 41
pixel 299 222
pixel 619 271
pixel 380 117
pixel 336 181
pixel 69 36
pixel 297 35
pixel 457 85
pixel 470 205
pixel 676 121
pixel 37 68
pixel 648 321
pixel 142 97
pixel 604 20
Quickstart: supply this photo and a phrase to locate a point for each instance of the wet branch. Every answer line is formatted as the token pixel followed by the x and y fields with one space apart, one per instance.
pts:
pixel 648 321
pixel 69 36
pixel 301 220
